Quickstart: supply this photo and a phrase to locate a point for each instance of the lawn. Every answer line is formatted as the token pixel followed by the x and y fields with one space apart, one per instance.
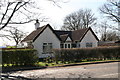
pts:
pixel 67 63
pixel 45 64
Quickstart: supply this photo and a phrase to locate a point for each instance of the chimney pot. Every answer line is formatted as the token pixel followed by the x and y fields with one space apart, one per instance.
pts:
pixel 37 24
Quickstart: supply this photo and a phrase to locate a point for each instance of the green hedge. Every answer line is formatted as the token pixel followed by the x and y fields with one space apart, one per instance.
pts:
pixel 89 54
pixel 19 57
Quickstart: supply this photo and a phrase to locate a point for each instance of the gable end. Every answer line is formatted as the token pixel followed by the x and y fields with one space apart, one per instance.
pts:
pixel 44 29
pixel 86 33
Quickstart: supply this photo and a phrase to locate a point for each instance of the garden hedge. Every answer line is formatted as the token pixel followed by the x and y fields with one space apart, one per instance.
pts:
pixel 79 54
pixel 19 57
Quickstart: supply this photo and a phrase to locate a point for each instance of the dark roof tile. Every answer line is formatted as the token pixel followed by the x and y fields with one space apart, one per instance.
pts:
pixel 33 34
pixel 78 34
pixel 64 37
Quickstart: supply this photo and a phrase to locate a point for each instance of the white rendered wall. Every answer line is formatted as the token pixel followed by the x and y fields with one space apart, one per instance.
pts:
pixel 88 38
pixel 47 36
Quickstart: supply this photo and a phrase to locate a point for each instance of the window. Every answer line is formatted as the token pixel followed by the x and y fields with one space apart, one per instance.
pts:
pixel 88 44
pixel 30 44
pixel 74 45
pixel 44 47
pixel 62 45
pixel 67 45
pixel 47 47
pixel 77 44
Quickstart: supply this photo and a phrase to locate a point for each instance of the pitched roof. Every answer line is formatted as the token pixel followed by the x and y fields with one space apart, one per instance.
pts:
pixel 64 37
pixel 60 32
pixel 63 34
pixel 33 35
pixel 76 35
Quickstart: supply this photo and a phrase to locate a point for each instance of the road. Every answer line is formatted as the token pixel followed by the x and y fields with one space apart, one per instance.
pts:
pixel 104 70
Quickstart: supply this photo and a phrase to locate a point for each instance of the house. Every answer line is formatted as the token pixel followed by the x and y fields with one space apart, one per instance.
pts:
pixel 45 38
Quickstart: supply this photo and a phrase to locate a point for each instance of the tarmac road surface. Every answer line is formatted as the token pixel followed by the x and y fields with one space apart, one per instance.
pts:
pixel 103 70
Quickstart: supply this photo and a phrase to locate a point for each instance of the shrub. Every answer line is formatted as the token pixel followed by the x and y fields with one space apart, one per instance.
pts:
pixel 19 57
pixel 89 54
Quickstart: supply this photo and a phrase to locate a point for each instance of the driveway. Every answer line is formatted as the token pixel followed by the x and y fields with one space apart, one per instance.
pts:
pixel 104 70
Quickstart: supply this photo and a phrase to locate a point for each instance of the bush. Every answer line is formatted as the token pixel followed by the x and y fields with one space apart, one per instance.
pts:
pixel 89 54
pixel 19 57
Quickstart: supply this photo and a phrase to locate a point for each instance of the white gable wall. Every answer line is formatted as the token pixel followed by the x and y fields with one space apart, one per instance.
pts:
pixel 68 39
pixel 68 42
pixel 47 36
pixel 88 38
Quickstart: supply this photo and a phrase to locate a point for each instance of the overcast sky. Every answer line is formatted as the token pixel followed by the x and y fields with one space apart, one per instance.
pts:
pixel 56 14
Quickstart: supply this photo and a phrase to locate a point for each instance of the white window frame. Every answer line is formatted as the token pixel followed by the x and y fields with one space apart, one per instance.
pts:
pixel 66 45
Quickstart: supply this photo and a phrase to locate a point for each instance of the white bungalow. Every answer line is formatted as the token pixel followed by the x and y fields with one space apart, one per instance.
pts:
pixel 45 38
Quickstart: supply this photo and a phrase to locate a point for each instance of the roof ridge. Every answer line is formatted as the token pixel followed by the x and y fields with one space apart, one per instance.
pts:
pixel 62 30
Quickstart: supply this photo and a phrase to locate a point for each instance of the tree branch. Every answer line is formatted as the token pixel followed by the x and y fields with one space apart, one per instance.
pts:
pixel 10 16
pixel 21 5
pixel 5 13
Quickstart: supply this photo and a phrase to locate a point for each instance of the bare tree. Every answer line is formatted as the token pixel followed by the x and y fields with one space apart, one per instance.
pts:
pixel 110 36
pixel 103 29
pixel 20 12
pixel 15 34
pixel 111 10
pixel 79 19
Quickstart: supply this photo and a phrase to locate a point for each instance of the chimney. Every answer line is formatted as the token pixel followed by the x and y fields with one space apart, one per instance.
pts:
pixel 37 24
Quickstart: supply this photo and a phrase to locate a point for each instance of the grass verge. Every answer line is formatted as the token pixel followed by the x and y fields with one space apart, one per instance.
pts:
pixel 62 64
